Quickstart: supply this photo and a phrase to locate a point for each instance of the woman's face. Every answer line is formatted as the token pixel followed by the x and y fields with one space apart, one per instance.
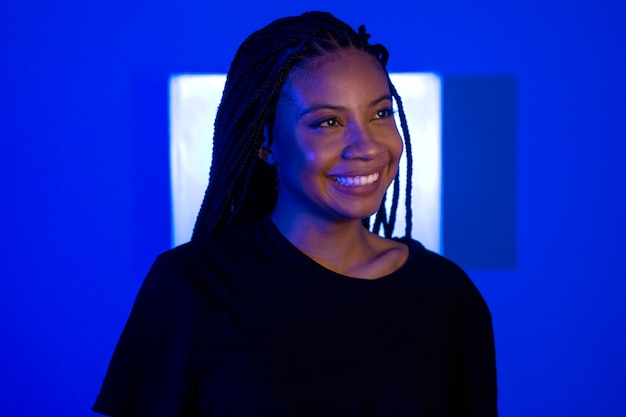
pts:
pixel 335 140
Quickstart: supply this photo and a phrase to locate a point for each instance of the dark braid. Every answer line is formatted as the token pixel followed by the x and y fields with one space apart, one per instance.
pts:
pixel 241 186
pixel 409 164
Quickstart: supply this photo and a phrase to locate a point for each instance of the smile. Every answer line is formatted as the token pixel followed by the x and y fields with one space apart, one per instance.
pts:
pixel 357 181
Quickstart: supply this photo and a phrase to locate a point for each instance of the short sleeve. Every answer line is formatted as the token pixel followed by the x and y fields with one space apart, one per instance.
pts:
pixel 151 371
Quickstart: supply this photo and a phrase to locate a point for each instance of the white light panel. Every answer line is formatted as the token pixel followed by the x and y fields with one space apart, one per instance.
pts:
pixel 193 104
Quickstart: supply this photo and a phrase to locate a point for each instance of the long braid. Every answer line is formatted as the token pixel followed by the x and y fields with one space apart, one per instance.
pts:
pixel 241 186
pixel 381 219
pixel 409 163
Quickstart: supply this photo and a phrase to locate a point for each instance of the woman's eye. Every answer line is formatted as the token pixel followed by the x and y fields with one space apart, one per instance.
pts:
pixel 384 113
pixel 331 122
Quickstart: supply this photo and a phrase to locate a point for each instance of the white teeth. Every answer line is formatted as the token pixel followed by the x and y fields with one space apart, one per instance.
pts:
pixel 357 181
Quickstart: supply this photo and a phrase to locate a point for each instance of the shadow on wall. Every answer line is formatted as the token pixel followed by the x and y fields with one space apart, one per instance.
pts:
pixel 479 131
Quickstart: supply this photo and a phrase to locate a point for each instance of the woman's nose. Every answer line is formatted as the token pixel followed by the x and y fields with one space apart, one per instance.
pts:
pixel 361 144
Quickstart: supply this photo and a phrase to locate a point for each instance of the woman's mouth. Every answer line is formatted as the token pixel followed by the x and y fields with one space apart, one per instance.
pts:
pixel 357 181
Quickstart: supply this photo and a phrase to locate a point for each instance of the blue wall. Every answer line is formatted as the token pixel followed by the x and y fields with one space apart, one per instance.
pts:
pixel 85 204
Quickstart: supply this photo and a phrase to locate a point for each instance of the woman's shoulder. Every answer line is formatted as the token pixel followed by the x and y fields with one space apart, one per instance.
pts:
pixel 436 268
pixel 429 260
pixel 236 241
pixel 238 252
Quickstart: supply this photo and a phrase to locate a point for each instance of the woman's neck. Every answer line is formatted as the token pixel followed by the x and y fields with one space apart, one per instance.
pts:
pixel 345 247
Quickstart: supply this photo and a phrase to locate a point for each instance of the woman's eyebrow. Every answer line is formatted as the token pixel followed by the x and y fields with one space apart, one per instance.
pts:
pixel 316 107
pixel 378 100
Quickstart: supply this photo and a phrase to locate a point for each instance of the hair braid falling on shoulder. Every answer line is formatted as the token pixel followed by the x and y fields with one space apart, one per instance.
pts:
pixel 241 186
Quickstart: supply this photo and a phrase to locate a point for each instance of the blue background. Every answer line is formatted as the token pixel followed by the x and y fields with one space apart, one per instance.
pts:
pixel 85 199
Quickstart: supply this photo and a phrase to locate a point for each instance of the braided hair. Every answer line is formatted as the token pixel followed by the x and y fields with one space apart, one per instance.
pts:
pixel 241 186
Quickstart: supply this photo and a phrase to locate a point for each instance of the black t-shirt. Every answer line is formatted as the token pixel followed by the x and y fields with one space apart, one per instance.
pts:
pixel 244 324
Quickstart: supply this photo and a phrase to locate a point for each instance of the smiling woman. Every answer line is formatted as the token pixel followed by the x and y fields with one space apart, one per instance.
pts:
pixel 336 149
pixel 285 303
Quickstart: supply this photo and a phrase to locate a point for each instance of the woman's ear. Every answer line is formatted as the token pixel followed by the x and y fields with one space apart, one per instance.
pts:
pixel 265 151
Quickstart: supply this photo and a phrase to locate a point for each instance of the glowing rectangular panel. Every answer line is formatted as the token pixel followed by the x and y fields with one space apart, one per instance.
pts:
pixel 193 104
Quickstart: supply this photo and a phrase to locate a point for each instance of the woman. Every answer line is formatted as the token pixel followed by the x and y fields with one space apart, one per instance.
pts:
pixel 284 303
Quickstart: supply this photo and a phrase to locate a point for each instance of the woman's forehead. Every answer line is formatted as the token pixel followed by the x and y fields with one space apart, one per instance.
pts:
pixel 309 66
pixel 337 68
